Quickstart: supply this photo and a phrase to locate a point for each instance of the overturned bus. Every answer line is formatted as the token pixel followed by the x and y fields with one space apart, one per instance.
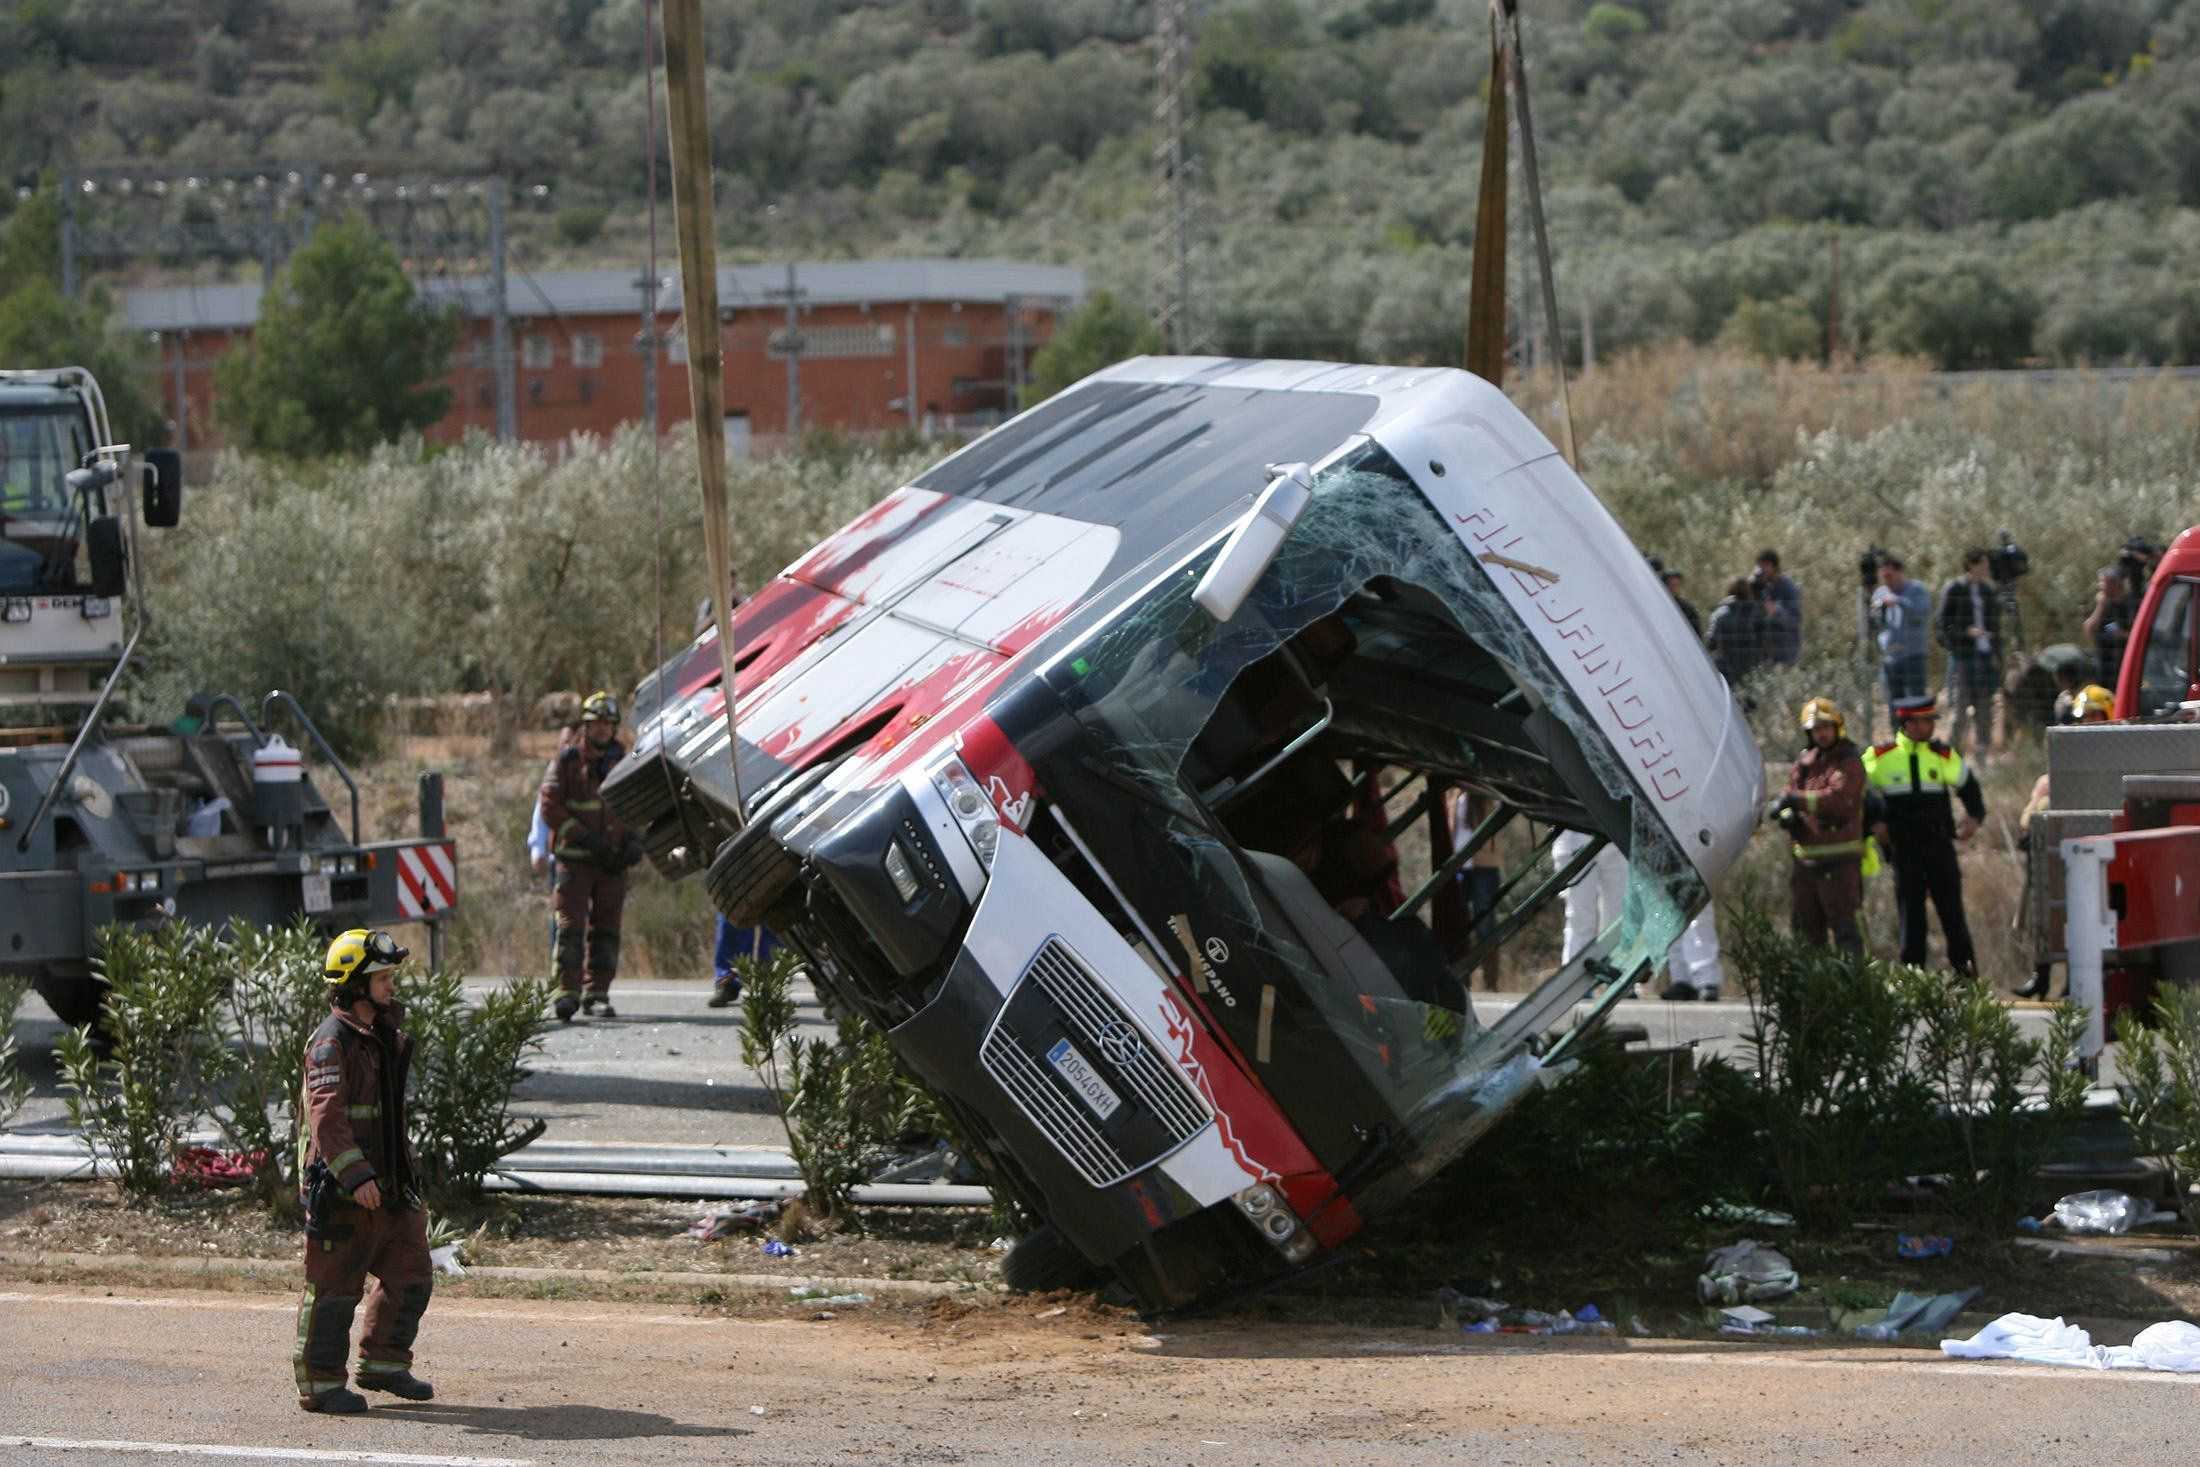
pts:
pixel 1043 759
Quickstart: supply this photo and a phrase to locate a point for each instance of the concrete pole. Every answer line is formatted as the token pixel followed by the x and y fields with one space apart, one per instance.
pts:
pixel 183 399
pixel 794 359
pixel 500 316
pixel 69 186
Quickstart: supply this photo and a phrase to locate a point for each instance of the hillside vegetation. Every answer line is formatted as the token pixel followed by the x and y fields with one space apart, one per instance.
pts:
pixel 2010 179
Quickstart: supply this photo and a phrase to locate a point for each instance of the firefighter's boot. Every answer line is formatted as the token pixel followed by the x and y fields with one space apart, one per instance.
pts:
pixel 397 1383
pixel 336 1401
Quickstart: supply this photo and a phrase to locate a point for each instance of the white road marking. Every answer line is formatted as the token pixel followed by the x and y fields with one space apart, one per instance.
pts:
pixel 276 1454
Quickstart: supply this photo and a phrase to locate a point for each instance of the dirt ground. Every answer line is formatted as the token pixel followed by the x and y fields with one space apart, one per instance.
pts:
pixel 944 1245
pixel 1388 1276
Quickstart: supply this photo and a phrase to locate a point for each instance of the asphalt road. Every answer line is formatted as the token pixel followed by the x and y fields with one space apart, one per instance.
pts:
pixel 669 1069
pixel 106 1378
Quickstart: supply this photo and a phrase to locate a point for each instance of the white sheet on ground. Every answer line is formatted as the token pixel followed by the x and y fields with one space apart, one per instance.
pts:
pixel 2173 1345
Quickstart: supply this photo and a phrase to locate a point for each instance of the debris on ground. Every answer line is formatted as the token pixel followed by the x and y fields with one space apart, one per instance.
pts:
pixel 2171 1346
pixel 1923 1245
pixel 205 1166
pixel 446 1261
pixel 1747 1272
pixel 1472 1314
pixel 1913 1314
pixel 2101 1211
pixel 1736 1214
pixel 773 1248
pixel 725 1222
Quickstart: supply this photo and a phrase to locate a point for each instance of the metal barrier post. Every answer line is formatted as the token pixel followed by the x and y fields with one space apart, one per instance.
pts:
pixel 2090 925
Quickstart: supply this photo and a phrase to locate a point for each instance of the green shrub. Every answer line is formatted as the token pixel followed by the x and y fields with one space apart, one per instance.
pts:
pixel 140 1101
pixel 843 1102
pixel 2160 1086
pixel 2006 1102
pixel 15 1086
pixel 1830 1037
pixel 1629 1150
pixel 1869 1072
pixel 467 1061
pixel 251 1081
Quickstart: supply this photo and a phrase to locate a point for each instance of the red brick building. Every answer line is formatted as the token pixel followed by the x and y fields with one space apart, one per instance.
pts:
pixel 932 344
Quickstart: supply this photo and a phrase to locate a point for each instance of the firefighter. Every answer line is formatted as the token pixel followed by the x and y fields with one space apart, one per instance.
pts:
pixel 1916 774
pixel 594 851
pixel 1823 815
pixel 356 1180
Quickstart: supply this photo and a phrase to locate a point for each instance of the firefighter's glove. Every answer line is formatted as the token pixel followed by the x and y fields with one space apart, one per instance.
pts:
pixel 1785 811
pixel 630 853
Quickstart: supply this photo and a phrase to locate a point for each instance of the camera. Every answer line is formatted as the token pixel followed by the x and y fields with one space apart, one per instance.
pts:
pixel 2007 560
pixel 2131 564
pixel 1867 565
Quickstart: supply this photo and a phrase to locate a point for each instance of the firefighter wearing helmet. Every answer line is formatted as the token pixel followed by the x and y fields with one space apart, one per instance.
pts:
pixel 1822 813
pixel 356 1171
pixel 594 851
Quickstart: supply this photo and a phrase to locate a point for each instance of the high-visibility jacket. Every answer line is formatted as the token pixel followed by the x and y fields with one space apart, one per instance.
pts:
pixel 1919 782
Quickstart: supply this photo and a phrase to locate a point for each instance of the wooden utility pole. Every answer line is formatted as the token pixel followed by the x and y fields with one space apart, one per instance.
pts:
pixel 688 130
pixel 1486 288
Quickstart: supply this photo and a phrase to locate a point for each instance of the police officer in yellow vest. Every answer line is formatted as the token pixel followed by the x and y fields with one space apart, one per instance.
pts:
pixel 1919 777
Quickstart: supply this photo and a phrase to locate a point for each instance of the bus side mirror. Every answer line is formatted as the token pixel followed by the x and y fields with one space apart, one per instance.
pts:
pixel 1252 546
pixel 163 471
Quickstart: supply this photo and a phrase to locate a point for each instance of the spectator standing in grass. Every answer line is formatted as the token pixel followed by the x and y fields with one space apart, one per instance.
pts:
pixel 1736 634
pixel 2108 624
pixel 1782 601
pixel 1672 577
pixel 1902 610
pixel 1970 628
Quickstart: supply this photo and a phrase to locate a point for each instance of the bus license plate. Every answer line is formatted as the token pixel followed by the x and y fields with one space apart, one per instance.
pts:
pixel 1091 1089
pixel 316 893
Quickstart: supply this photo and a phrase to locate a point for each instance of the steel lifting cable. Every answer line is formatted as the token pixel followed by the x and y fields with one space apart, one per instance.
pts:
pixel 693 213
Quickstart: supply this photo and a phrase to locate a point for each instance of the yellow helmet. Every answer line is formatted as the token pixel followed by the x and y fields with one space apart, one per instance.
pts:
pixel 1824 710
pixel 2092 698
pixel 360 954
pixel 601 704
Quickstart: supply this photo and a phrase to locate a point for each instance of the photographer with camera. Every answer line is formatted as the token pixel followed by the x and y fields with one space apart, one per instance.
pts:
pixel 1902 613
pixel 2115 602
pixel 595 851
pixel 1782 601
pixel 1970 628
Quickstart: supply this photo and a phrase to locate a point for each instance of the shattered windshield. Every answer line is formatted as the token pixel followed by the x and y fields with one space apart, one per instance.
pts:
pixel 1372 634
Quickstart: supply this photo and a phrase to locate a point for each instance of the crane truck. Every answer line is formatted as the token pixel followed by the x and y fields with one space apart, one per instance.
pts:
pixel 104 822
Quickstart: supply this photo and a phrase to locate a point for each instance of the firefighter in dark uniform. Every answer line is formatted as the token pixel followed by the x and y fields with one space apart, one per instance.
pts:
pixel 356 1175
pixel 1916 774
pixel 1822 812
pixel 594 851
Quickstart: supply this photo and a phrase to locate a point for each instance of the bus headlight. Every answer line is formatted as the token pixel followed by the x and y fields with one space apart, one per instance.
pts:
pixel 973 812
